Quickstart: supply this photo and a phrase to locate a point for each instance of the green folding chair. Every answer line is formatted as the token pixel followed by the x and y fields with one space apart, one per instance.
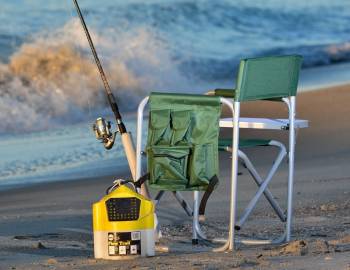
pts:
pixel 182 147
pixel 271 79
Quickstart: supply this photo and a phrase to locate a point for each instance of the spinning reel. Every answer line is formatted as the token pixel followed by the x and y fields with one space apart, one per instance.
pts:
pixel 102 129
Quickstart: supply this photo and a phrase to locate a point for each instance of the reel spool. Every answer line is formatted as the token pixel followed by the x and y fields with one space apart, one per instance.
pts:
pixel 102 130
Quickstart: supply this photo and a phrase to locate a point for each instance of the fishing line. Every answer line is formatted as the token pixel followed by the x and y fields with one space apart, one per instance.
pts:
pixel 111 99
pixel 72 17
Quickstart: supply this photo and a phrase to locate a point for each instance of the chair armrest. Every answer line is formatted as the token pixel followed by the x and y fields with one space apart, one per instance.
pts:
pixel 228 93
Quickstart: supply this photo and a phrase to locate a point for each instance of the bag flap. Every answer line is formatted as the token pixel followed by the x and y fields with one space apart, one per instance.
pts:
pixel 159 119
pixel 180 119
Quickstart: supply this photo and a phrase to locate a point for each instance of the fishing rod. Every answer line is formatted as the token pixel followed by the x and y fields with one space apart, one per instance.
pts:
pixel 110 95
pixel 101 126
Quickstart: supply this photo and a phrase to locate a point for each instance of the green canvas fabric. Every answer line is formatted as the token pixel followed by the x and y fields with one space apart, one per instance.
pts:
pixel 268 77
pixel 182 143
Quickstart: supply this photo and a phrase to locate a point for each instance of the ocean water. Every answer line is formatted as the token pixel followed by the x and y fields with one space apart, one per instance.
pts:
pixel 50 90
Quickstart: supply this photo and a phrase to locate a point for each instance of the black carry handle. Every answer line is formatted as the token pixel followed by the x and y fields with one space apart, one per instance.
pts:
pixel 212 183
pixel 141 180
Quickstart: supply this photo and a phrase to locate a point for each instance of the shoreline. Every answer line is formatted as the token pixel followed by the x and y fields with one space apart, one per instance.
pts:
pixel 322 77
pixel 333 75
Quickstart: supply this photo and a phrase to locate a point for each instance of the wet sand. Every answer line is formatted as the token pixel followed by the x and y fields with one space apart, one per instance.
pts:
pixel 48 226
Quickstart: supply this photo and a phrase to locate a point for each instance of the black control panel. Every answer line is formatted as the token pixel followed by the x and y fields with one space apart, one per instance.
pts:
pixel 123 209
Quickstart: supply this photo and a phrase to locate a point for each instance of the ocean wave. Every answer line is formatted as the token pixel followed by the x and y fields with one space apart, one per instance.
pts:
pixel 317 55
pixel 218 69
pixel 52 79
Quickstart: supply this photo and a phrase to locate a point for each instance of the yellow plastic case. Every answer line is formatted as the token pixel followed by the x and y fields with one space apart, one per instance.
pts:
pixel 123 225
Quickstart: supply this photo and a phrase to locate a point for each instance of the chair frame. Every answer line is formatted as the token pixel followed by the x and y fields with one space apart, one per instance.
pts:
pixel 254 83
pixel 236 154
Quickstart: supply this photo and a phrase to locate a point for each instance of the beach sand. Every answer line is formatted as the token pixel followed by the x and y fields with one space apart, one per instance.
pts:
pixel 48 226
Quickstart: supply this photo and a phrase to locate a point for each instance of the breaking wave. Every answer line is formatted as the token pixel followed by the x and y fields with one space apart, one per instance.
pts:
pixel 52 79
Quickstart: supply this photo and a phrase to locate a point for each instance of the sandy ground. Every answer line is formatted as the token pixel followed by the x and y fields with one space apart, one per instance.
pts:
pixel 48 226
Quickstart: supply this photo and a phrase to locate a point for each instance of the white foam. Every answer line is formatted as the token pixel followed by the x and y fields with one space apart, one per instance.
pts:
pixel 52 79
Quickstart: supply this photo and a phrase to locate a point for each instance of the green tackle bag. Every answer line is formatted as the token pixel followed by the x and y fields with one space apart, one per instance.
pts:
pixel 182 143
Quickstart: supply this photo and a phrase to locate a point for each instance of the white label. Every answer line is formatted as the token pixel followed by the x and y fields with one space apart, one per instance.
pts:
pixel 111 250
pixel 135 236
pixel 133 249
pixel 122 250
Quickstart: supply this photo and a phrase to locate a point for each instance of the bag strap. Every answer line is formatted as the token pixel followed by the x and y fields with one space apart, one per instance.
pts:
pixel 212 183
pixel 141 180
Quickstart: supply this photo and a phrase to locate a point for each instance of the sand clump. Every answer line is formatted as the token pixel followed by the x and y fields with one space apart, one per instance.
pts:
pixel 294 248
pixel 343 240
pixel 340 245
pixel 318 246
pixel 51 261
pixel 330 207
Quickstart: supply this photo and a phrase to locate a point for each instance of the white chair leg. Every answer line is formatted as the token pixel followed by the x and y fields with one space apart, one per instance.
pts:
pixel 291 166
pixel 195 218
pixel 196 224
pixel 229 245
pixel 234 171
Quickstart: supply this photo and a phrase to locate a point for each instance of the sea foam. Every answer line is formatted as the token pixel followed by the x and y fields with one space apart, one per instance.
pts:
pixel 52 79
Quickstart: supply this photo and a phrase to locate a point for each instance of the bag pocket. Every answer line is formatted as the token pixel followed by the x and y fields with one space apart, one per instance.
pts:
pixel 168 165
pixel 180 121
pixel 203 165
pixel 159 124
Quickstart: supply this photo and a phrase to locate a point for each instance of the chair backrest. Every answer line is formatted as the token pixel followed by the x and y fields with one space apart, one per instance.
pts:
pixel 182 144
pixel 268 77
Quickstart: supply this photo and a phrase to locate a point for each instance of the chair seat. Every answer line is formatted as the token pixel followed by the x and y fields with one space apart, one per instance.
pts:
pixel 243 143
